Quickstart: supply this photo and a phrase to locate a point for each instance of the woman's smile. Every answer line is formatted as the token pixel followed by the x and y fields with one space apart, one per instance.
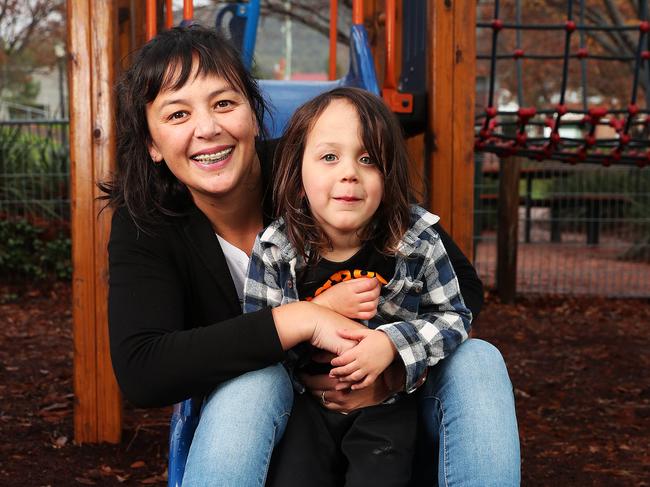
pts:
pixel 210 157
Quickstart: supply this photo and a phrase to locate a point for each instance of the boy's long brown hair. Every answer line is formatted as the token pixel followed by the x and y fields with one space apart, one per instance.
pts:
pixel 382 138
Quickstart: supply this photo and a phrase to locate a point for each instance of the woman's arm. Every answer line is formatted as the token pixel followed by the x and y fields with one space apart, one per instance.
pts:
pixel 471 286
pixel 298 321
pixel 160 353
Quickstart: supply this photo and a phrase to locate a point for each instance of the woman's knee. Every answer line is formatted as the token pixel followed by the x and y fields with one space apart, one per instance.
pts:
pixel 257 395
pixel 271 383
pixel 480 354
pixel 479 363
pixel 473 377
pixel 241 421
pixel 467 407
pixel 245 411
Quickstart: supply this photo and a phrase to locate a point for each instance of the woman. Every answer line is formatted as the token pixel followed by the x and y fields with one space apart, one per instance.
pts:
pixel 190 195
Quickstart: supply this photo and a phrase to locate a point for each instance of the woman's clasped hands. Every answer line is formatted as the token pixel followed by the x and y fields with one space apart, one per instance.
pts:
pixel 353 382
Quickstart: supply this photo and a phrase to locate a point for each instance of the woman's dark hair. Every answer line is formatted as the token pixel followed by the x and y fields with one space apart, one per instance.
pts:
pixel 382 137
pixel 147 190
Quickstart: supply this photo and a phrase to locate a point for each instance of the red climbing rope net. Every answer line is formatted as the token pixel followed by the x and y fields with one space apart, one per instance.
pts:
pixel 567 131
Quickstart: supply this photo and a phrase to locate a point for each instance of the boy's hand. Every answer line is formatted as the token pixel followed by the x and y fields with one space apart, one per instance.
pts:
pixel 356 299
pixel 346 400
pixel 362 364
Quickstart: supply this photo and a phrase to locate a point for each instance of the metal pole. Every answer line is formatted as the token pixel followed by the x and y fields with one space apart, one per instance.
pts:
pixel 60 53
pixel 333 38
pixel 288 40
pixel 61 94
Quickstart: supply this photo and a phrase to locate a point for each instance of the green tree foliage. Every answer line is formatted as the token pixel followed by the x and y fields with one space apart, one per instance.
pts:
pixel 33 173
pixel 29 32
pixel 609 82
pixel 312 13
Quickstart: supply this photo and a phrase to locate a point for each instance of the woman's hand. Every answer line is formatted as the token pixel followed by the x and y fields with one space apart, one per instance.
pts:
pixel 308 322
pixel 328 330
pixel 346 400
pixel 356 299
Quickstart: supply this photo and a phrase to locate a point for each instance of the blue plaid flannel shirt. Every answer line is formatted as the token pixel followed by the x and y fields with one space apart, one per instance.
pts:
pixel 420 309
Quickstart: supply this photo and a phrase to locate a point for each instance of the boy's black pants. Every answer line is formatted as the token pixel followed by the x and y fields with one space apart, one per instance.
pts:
pixel 371 446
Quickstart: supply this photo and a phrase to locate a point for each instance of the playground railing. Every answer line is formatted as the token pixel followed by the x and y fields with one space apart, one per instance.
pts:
pixel 34 170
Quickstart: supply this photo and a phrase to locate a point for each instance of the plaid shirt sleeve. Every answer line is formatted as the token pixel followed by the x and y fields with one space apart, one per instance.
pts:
pixel 443 321
pixel 262 288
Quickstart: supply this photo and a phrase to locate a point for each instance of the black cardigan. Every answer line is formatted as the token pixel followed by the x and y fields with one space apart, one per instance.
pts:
pixel 175 323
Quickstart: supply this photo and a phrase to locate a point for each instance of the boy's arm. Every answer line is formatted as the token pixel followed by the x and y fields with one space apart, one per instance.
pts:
pixel 442 324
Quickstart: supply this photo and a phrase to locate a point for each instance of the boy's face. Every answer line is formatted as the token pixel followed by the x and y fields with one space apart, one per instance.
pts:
pixel 343 186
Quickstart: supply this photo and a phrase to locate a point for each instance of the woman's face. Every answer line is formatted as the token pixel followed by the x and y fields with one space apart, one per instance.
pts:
pixel 205 132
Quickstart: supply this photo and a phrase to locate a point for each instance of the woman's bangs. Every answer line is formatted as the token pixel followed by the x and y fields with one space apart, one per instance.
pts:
pixel 179 69
pixel 213 64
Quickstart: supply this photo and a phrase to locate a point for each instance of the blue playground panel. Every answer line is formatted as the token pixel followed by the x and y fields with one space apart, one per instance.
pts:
pixel 244 17
pixel 185 418
pixel 285 96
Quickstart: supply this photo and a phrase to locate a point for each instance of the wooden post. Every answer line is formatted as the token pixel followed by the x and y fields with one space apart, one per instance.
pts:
pixel 507 233
pixel 91 28
pixel 414 144
pixel 450 149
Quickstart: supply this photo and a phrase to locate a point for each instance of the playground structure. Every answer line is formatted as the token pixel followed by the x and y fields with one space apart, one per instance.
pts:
pixel 517 132
pixel 101 33
pixel 440 148
pixel 536 132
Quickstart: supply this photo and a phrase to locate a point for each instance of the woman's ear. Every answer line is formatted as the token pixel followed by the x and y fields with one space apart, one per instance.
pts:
pixel 257 126
pixel 154 154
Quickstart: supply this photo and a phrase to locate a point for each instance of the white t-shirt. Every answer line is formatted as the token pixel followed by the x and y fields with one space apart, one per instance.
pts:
pixel 237 261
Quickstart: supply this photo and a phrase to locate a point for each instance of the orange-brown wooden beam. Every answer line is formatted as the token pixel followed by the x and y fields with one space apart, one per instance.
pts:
pixel 451 78
pixel 151 18
pixel 92 38
pixel 188 9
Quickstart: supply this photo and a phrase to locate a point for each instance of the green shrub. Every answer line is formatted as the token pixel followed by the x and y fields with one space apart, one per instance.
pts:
pixel 26 252
pixel 33 173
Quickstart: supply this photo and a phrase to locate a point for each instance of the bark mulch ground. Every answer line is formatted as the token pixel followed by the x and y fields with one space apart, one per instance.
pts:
pixel 579 368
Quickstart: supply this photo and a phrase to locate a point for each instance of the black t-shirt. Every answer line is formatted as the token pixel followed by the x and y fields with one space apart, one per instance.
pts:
pixel 316 279
pixel 367 262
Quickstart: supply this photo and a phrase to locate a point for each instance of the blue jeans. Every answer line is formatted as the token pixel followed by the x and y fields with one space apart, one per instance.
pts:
pixel 468 415
pixel 467 418
pixel 241 421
